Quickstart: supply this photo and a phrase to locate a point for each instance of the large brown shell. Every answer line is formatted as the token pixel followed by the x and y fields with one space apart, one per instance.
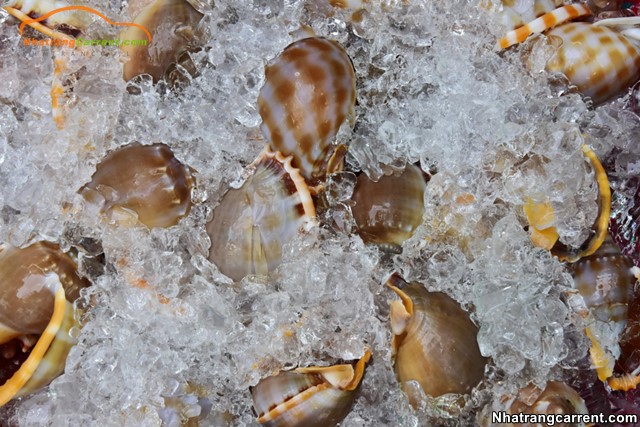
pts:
pixel 309 92
pixel 141 184
pixel 38 284
pixel 387 212
pixel 434 341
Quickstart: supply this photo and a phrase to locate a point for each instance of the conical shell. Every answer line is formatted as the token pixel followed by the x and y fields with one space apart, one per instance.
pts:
pixel 309 92
pixel 434 341
pixel 387 212
pixel 172 24
pixel 44 277
pixel 251 224
pixel 600 61
pixel 308 397
pixel 141 184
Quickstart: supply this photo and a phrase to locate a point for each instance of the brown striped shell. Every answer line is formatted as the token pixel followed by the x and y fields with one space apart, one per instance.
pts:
pixel 556 398
pixel 38 285
pixel 252 223
pixel 601 62
pixel 172 24
pixel 309 92
pixel 387 212
pixel 434 341
pixel 141 184
pixel 308 397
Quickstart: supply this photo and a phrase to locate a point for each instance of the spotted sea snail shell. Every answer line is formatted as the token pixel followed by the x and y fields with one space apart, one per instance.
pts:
pixel 308 397
pixel 141 184
pixel 309 92
pixel 38 285
pixel 601 62
pixel 556 398
pixel 387 212
pixel 434 341
pixel 172 24
pixel 252 223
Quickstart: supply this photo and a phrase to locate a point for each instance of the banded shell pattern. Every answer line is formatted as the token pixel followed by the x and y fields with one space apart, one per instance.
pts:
pixel 434 341
pixel 172 24
pixel 58 25
pixel 387 212
pixel 39 284
pixel 141 184
pixel 308 397
pixel 309 92
pixel 251 224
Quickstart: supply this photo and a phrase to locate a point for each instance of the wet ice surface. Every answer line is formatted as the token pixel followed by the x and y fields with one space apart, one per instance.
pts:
pixel 163 327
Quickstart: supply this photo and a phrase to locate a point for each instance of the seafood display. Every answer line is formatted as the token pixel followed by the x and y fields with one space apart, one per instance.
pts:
pixel 141 184
pixel 318 212
pixel 39 286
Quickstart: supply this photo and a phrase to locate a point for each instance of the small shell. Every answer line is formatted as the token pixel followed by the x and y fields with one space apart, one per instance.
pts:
pixel 599 61
pixel 387 212
pixel 141 183
pixel 251 224
pixel 39 284
pixel 308 93
pixel 541 218
pixel 605 281
pixel 171 24
pixel 556 398
pixel 308 397
pixel 434 341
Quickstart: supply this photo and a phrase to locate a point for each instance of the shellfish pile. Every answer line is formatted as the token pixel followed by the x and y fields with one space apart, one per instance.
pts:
pixel 318 212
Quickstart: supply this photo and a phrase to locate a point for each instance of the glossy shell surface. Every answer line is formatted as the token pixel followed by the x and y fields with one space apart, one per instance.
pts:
pixel 39 284
pixel 141 184
pixel 434 341
pixel 387 212
pixel 308 397
pixel 172 24
pixel 252 223
pixel 600 61
pixel 308 94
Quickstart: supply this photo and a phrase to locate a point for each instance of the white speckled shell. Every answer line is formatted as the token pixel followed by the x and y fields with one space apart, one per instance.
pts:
pixel 598 60
pixel 38 283
pixel 251 224
pixel 308 93
pixel 141 183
